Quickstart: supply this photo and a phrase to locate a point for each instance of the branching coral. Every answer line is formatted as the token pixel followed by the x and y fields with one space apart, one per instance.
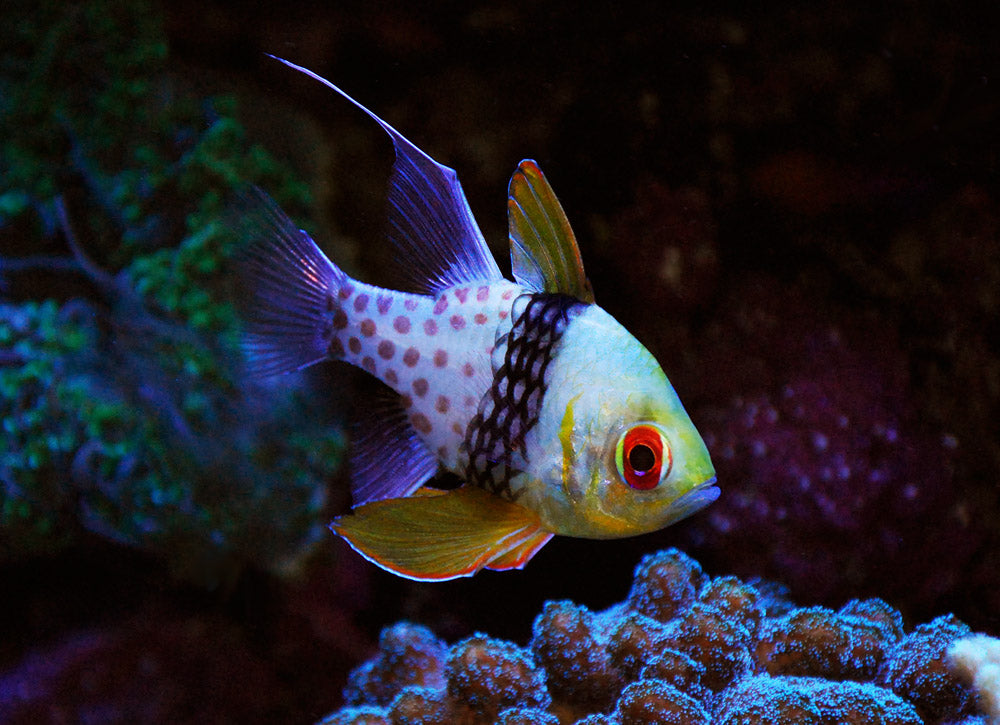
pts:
pixel 728 652
pixel 124 408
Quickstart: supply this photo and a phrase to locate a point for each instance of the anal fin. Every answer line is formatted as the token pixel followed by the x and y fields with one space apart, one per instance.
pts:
pixel 439 535
pixel 388 457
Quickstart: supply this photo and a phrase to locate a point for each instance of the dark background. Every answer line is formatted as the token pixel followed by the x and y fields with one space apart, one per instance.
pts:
pixel 794 208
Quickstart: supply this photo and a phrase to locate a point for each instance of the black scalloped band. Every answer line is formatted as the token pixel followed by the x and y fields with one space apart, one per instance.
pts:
pixel 495 437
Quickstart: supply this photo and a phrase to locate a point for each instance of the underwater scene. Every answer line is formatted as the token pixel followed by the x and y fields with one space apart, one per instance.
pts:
pixel 681 404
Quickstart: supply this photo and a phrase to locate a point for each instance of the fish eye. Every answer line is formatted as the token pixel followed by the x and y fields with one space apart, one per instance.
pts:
pixel 643 457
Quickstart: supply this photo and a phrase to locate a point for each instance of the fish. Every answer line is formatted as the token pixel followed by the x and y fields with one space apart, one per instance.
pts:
pixel 554 417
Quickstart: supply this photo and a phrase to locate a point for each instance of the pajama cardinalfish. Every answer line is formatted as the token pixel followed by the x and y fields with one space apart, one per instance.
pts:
pixel 557 419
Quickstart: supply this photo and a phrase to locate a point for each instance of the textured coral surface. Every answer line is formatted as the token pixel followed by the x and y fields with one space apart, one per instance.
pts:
pixel 682 648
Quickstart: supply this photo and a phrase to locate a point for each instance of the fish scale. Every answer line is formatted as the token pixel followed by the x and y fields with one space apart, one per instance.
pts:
pixel 435 352
pixel 558 420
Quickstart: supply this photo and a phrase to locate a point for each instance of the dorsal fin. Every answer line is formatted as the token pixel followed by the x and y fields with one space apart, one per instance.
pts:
pixel 430 223
pixel 543 250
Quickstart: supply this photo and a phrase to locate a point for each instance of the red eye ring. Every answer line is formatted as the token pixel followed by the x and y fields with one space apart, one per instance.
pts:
pixel 643 457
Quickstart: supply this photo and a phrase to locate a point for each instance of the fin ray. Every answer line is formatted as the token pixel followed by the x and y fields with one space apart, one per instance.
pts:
pixel 438 535
pixel 288 283
pixel 543 250
pixel 430 222
pixel 517 557
pixel 388 458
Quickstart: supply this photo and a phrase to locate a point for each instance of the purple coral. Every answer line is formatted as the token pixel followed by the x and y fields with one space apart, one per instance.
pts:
pixel 664 584
pixel 917 669
pixel 647 702
pixel 765 699
pixel 409 654
pixel 709 637
pixel 487 675
pixel 682 648
pixel 819 641
pixel 833 481
pixel 568 641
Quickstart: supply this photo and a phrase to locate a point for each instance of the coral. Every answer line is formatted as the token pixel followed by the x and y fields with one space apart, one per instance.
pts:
pixel 917 668
pixel 409 655
pixel 679 670
pixel 740 603
pixel 664 584
pixel 819 641
pixel 731 653
pixel 976 660
pixel 363 715
pixel 765 699
pixel 711 639
pixel 859 703
pixel 833 477
pixel 488 675
pixel 125 407
pixel 647 702
pixel 634 639
pixel 526 716
pixel 569 643
pixel 421 706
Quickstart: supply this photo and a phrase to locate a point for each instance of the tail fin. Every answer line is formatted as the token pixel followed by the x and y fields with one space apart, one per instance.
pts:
pixel 288 292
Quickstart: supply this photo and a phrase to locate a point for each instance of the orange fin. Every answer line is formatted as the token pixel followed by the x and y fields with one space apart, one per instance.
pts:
pixel 438 535
pixel 516 558
pixel 544 255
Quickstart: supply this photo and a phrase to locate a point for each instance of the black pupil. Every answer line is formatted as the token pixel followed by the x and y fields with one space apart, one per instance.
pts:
pixel 641 458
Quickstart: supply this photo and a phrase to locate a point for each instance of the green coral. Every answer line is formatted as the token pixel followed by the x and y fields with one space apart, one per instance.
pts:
pixel 127 414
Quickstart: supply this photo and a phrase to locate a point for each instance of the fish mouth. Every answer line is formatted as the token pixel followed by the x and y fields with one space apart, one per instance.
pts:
pixel 698 497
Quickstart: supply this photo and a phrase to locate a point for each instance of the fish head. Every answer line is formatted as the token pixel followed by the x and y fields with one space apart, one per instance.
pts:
pixel 616 454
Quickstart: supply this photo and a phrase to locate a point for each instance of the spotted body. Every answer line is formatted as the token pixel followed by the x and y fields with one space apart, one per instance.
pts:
pixel 557 419
pixel 434 352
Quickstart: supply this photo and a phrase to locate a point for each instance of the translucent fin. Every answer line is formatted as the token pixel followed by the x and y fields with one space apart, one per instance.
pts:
pixel 287 289
pixel 430 223
pixel 438 535
pixel 517 558
pixel 388 459
pixel 543 250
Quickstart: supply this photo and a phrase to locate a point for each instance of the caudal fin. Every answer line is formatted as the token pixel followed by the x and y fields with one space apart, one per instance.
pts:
pixel 287 293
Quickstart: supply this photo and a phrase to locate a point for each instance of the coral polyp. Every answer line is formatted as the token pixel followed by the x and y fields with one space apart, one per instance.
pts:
pixel 685 648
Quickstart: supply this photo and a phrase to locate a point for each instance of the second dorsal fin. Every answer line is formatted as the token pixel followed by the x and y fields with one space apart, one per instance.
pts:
pixel 438 242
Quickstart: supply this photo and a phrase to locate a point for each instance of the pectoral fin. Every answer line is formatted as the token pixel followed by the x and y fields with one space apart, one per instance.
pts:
pixel 438 535
pixel 516 558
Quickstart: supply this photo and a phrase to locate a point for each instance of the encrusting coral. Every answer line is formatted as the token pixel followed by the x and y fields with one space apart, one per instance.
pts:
pixel 684 648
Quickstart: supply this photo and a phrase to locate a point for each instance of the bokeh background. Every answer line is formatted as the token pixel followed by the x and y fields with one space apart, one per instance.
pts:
pixel 795 209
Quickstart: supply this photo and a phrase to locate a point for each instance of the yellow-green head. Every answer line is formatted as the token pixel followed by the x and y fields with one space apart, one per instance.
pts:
pixel 614 453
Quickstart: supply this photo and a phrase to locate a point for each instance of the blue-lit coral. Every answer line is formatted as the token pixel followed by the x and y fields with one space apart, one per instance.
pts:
pixel 409 656
pixel 124 407
pixel 917 668
pixel 486 676
pixel 729 652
